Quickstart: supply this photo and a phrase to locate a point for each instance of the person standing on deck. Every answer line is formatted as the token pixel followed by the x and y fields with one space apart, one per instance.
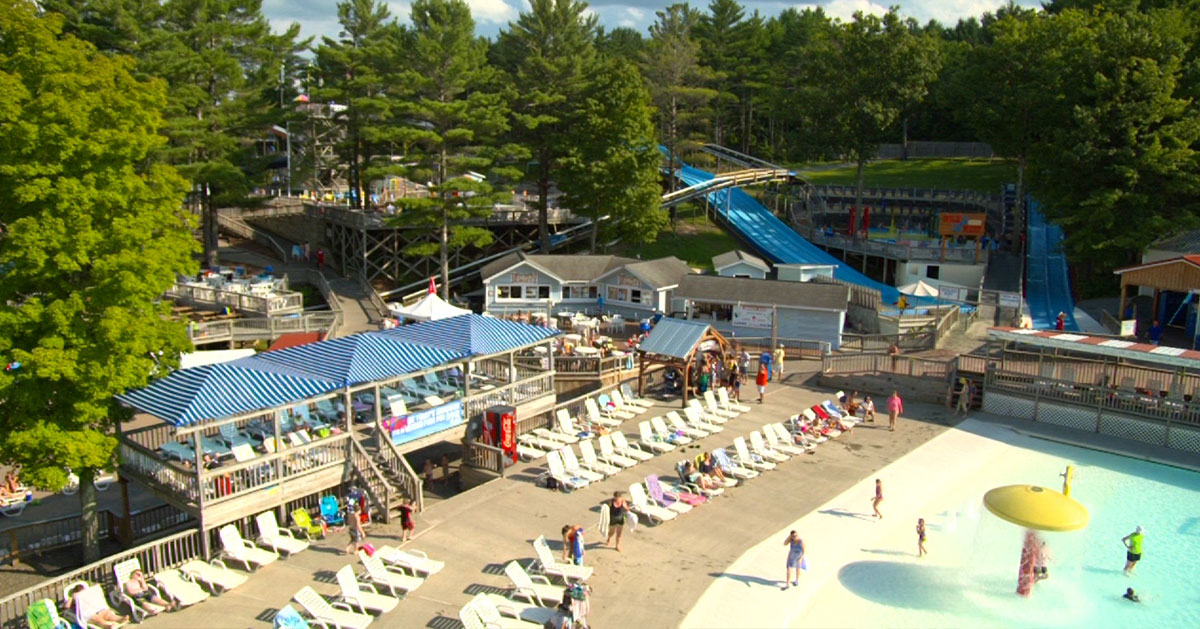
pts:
pixel 895 407
pixel 777 362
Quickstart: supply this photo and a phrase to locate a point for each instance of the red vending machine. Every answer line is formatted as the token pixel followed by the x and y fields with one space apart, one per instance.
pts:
pixel 500 429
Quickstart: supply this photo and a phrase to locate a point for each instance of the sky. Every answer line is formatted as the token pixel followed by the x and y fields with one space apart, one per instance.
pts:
pixel 319 17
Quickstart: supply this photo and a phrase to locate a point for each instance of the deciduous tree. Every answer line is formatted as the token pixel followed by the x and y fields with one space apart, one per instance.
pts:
pixel 93 234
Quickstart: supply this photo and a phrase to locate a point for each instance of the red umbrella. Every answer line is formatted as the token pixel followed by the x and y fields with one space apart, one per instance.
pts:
pixel 853 220
pixel 432 287
pixel 866 221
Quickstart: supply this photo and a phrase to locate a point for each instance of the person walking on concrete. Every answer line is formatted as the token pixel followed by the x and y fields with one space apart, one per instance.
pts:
pixel 895 407
pixel 777 361
pixel 795 559
pixel 764 360
pixel 964 397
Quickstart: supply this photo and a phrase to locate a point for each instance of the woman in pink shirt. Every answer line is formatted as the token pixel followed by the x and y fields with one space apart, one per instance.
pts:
pixel 895 407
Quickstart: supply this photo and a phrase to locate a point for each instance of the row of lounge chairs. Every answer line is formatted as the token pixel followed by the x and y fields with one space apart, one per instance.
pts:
pixel 530 598
pixel 388 575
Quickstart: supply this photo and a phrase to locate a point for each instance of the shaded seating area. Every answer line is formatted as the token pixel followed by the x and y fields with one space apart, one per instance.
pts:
pixel 680 345
pixel 234 434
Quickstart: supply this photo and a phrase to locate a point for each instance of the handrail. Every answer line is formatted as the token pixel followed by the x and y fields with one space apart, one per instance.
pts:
pixel 246 329
pixel 398 465
pixel 278 302
pixel 156 556
pixel 931 251
pixel 485 457
pixel 374 483
pixel 246 230
pixel 907 341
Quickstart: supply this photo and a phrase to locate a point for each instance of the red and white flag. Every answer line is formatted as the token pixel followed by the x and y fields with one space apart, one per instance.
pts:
pixel 432 287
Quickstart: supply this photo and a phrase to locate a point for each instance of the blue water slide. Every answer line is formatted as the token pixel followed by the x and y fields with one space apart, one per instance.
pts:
pixel 773 239
pixel 1047 283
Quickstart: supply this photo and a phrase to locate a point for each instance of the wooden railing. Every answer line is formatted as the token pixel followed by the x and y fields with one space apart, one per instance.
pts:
pixel 946 321
pixel 928 252
pixel 792 348
pixel 485 457
pixel 882 363
pixel 146 465
pixel 595 365
pixel 156 556
pixel 253 329
pixel 509 394
pixel 274 304
pixel 373 482
pixel 1143 404
pixel 393 461
pixel 908 341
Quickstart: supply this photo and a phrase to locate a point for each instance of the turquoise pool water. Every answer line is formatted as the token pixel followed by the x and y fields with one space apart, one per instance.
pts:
pixel 969 578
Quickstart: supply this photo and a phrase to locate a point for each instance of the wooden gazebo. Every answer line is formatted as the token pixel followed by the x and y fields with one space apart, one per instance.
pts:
pixel 674 343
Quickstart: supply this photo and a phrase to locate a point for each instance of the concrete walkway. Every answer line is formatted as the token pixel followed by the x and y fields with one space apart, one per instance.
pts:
pixel 662 571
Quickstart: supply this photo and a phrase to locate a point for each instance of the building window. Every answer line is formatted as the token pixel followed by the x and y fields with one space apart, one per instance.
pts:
pixel 508 292
pixel 527 292
pixel 933 271
pixel 580 292
pixel 537 292
pixel 618 294
pixel 635 296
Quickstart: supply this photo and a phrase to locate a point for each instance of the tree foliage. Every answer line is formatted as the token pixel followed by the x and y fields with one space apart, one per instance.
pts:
pixel 93 234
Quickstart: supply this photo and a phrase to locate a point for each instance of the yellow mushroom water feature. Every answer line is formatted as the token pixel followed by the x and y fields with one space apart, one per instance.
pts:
pixel 1036 509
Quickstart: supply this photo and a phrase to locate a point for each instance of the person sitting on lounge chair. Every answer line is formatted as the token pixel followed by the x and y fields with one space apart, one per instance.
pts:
pixel 89 604
pixel 12 485
pixel 137 589
pixel 703 480
pixel 709 467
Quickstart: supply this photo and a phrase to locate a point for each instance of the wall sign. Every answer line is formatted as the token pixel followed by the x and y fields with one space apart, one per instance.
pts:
pixel 426 422
pixel 628 280
pixel 752 316
pixel 524 278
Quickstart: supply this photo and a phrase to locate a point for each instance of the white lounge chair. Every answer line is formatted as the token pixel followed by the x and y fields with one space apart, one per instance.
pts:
pixel 414 560
pixel 710 404
pixel 86 603
pixel 696 421
pixel 391 577
pixel 708 416
pixel 519 609
pixel 246 552
pixel 571 464
pixel 747 459
pixel 364 596
pixel 178 586
pixel 611 409
pixel 528 449
pixel 661 497
pixel 780 439
pixel 632 450
pixel 215 574
pixel 339 615
pixel 564 427
pixel 536 440
pixel 759 447
pixel 536 588
pixel 651 440
pixel 596 417
pixel 641 504
pixel 549 566
pixel 728 404
pixel 558 472
pixel 731 467
pixel 122 570
pixel 490 614
pixel 588 455
pixel 678 425
pixel 666 434
pixel 609 455
pixel 275 538
pixel 633 398
pixel 624 405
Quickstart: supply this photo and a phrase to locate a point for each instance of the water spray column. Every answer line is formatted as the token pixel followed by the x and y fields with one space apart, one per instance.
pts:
pixel 1036 509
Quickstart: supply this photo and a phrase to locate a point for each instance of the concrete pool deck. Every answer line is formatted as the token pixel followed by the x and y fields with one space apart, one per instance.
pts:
pixel 662 571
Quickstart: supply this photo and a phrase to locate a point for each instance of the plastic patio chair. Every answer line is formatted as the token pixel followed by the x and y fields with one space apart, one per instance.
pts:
pixel 331 511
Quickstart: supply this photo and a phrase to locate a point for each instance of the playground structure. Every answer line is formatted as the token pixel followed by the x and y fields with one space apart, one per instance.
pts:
pixel 1036 509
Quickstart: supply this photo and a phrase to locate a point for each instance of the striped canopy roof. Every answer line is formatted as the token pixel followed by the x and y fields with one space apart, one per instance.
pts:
pixel 191 395
pixel 359 358
pixel 472 334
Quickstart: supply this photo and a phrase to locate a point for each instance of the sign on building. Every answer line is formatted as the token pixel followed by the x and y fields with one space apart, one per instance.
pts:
pixel 1010 300
pixel 752 316
pixel 953 224
pixel 426 422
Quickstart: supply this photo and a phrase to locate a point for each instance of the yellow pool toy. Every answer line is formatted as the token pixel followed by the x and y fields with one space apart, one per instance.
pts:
pixel 1036 508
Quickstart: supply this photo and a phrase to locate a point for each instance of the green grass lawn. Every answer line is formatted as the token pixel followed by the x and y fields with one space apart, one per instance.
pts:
pixel 946 174
pixel 695 243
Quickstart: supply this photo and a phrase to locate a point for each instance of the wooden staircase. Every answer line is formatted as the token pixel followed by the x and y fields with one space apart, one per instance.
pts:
pixel 383 472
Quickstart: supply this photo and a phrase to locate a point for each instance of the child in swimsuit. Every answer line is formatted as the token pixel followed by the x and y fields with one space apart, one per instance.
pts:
pixel 878 498
pixel 921 552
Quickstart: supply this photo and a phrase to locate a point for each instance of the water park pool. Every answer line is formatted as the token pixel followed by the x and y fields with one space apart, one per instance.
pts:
pixel 864 572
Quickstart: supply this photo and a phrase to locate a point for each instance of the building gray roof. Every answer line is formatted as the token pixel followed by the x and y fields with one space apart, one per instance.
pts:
pixel 673 337
pixel 1185 243
pixel 571 268
pixel 716 288
pixel 737 255
pixel 661 272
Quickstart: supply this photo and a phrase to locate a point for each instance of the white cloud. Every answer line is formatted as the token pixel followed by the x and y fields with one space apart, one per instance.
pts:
pixel 845 9
pixel 493 11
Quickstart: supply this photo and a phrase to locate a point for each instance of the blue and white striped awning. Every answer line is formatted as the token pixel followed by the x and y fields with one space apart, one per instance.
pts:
pixel 472 334
pixel 359 358
pixel 191 395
